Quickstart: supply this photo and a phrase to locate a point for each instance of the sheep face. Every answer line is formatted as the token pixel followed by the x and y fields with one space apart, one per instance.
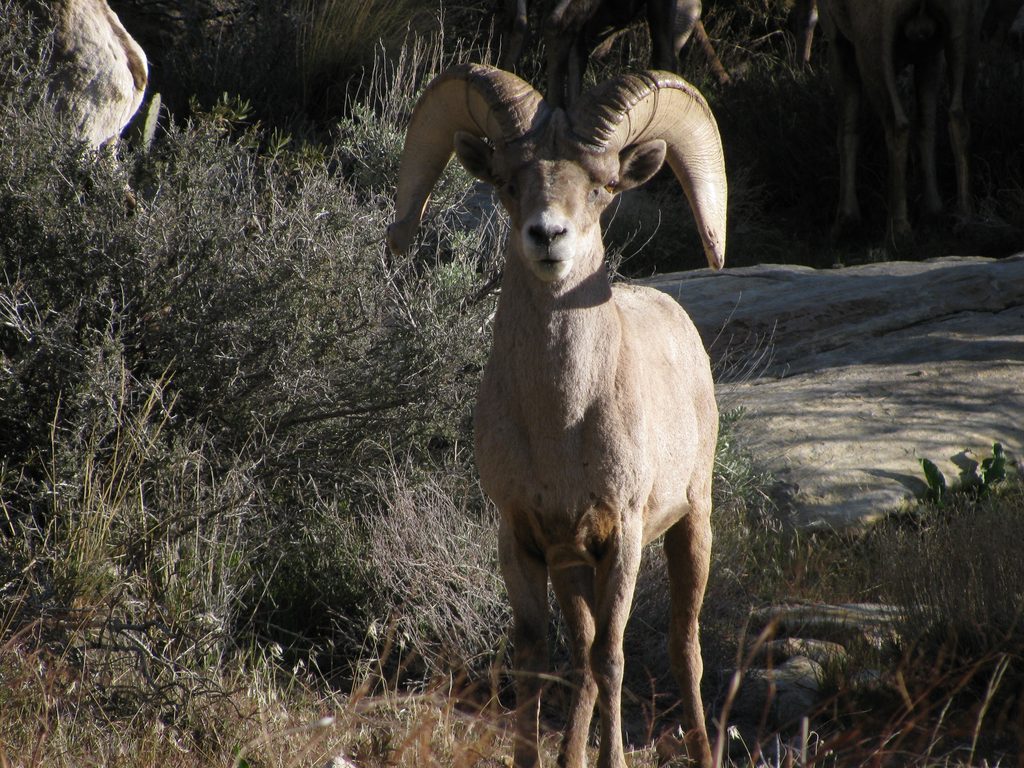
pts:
pixel 555 195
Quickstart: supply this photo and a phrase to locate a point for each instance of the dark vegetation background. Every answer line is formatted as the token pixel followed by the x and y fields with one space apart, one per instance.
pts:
pixel 299 69
pixel 236 476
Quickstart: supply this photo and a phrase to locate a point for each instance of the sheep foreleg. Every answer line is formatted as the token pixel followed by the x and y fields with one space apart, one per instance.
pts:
pixel 615 582
pixel 527 584
pixel 574 588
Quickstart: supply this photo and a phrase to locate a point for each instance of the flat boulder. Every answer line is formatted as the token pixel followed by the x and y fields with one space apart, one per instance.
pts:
pixel 848 376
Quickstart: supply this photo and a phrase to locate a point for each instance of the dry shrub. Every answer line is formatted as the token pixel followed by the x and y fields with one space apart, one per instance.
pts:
pixel 204 355
pixel 126 586
pixel 433 550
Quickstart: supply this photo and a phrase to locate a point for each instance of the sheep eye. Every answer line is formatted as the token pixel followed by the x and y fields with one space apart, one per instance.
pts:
pixel 511 190
pixel 611 187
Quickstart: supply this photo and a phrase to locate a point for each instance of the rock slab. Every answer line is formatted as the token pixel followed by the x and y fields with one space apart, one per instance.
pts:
pixel 848 376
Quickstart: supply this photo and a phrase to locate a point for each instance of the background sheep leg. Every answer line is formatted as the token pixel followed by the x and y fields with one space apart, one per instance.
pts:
pixel 878 73
pixel 803 18
pixel 574 588
pixel 567 61
pixel 960 58
pixel 614 585
pixel 878 76
pixel 710 54
pixel 579 53
pixel 671 24
pixel 688 552
pixel 848 90
pixel 527 584
pixel 559 49
pixel 566 49
pixel 517 25
pixel 897 138
pixel 927 76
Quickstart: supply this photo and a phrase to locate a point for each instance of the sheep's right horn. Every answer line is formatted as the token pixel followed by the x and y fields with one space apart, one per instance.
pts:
pixel 661 105
pixel 482 100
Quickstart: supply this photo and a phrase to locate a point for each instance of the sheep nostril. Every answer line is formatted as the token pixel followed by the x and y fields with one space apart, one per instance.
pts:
pixel 545 234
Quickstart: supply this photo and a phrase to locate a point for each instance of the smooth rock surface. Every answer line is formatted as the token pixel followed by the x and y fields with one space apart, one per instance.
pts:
pixel 874 623
pixel 849 376
pixel 775 652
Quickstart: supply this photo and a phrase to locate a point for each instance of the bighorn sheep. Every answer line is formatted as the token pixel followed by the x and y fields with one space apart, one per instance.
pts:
pixel 871 41
pixel 99 71
pixel 595 423
pixel 573 29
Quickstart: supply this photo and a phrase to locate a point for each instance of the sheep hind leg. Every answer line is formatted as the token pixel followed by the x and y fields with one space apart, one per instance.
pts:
pixel 574 588
pixel 711 54
pixel 579 53
pixel 526 582
pixel 688 553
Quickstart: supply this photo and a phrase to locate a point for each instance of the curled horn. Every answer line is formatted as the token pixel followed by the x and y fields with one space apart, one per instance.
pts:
pixel 660 105
pixel 478 99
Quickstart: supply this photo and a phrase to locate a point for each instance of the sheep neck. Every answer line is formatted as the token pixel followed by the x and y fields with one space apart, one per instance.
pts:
pixel 564 341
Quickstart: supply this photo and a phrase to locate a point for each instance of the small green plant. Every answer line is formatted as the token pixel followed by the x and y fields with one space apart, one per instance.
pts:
pixel 936 481
pixel 976 478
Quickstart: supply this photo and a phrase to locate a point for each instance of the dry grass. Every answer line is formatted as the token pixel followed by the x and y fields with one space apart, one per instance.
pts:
pixel 268 715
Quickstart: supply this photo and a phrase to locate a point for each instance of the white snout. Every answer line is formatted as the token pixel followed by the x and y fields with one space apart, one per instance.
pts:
pixel 549 243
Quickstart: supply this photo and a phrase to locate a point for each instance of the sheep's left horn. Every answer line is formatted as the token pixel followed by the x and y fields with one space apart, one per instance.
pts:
pixel 475 98
pixel 661 105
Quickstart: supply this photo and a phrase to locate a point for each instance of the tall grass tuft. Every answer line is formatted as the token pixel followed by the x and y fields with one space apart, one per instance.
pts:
pixel 337 37
pixel 959 574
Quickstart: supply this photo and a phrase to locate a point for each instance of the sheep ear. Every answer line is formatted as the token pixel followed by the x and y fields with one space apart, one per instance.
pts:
pixel 475 154
pixel 638 162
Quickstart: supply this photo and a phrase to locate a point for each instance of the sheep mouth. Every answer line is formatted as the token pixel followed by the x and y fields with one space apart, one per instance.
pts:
pixel 551 268
pixel 552 262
